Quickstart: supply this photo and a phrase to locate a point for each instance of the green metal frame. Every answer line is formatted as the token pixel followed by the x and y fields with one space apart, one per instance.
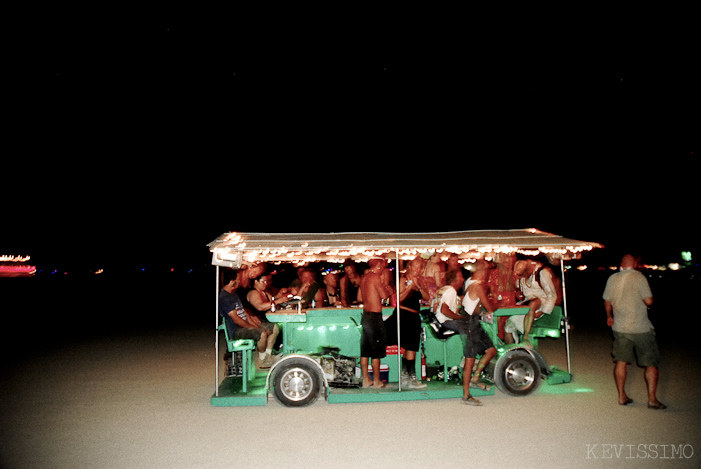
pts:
pixel 340 327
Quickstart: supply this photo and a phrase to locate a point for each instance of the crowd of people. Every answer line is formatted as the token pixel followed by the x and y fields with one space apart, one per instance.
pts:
pixel 248 294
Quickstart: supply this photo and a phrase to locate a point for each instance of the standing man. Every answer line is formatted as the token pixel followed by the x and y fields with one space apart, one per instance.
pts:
pixel 473 343
pixel 626 298
pixel 374 336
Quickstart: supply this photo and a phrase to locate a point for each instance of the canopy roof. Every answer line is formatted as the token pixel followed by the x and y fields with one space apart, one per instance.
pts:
pixel 237 248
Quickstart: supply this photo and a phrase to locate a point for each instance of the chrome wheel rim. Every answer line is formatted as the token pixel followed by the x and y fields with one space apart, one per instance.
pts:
pixel 296 384
pixel 520 374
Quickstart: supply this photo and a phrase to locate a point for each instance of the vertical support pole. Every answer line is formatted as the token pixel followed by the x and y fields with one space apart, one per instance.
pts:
pixel 567 321
pixel 216 337
pixel 399 311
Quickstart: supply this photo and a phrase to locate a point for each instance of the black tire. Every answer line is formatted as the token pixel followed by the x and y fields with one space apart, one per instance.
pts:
pixel 517 373
pixel 297 383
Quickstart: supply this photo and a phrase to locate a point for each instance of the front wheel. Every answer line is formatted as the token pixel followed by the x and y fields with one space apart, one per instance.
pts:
pixel 296 383
pixel 517 373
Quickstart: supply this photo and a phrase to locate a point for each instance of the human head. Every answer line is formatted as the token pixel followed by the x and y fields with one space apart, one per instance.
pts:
pixel 479 270
pixel 375 263
pixel 521 269
pixel 306 275
pixel 415 266
pixel 260 282
pixel 230 278
pixel 331 279
pixel 452 261
pixel 454 278
pixel 351 272
pixel 255 271
pixel 349 268
pixel 629 262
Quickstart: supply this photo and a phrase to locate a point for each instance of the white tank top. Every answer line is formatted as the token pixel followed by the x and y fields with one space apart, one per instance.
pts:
pixel 468 303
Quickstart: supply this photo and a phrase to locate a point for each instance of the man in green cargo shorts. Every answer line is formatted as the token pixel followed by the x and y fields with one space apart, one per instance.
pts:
pixel 626 299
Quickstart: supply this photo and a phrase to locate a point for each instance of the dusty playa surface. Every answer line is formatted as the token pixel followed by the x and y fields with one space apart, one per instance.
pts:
pixel 141 400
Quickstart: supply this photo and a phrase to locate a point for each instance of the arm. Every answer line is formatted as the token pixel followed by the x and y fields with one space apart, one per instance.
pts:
pixel 404 290
pixel 319 297
pixel 344 292
pixel 383 289
pixel 448 313
pixel 439 278
pixel 240 322
pixel 416 285
pixel 609 313
pixel 484 299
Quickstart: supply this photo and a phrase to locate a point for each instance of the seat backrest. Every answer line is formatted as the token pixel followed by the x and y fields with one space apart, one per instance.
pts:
pixel 548 325
pixel 229 342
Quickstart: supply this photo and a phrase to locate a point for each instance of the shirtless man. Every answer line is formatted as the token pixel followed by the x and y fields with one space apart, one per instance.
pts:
pixel 373 338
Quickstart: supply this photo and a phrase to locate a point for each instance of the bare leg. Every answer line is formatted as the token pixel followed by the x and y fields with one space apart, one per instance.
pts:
pixel 263 342
pixel 620 370
pixel 364 361
pixel 272 337
pixel 488 355
pixel 651 376
pixel 530 317
pixel 376 378
pixel 466 374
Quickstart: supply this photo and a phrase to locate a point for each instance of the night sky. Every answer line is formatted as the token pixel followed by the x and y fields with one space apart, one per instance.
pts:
pixel 133 138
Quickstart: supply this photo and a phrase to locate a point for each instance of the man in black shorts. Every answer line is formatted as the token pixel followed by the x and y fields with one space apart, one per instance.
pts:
pixel 373 339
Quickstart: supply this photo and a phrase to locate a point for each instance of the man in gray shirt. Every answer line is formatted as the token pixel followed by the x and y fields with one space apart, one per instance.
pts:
pixel 626 298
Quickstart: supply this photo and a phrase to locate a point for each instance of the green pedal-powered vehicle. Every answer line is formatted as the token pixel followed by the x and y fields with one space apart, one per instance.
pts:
pixel 321 346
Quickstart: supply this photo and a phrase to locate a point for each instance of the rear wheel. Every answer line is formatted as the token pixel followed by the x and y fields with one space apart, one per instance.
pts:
pixel 517 373
pixel 296 383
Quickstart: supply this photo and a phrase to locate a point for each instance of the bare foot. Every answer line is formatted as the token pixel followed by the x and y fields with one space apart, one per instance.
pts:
pixel 379 385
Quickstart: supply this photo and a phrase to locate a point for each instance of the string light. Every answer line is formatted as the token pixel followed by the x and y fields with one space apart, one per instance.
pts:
pixel 337 247
pixel 5 258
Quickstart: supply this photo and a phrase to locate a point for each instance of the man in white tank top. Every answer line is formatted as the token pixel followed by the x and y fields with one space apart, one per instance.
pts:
pixel 474 301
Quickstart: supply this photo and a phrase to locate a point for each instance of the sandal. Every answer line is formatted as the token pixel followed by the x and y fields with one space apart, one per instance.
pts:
pixel 480 385
pixel 471 401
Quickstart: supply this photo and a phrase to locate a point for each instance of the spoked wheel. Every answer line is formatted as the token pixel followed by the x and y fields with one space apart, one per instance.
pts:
pixel 296 383
pixel 517 373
